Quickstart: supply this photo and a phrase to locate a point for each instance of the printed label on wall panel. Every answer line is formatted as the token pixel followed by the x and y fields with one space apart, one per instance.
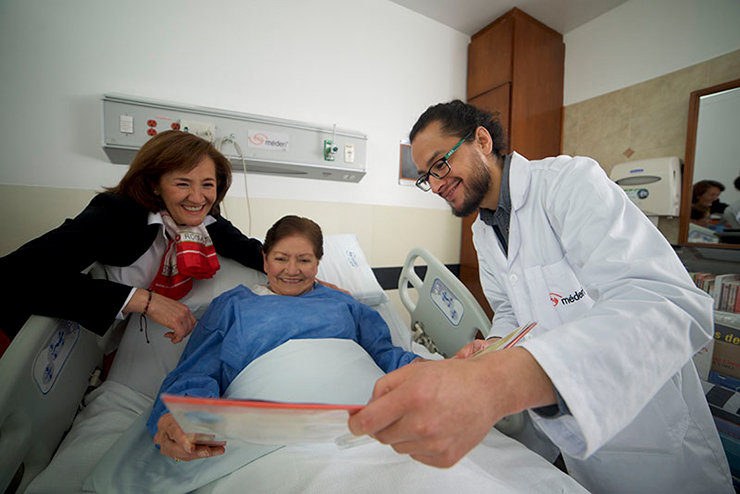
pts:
pixel 265 139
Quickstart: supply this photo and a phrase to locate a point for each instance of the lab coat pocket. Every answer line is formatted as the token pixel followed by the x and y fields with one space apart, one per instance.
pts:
pixel 659 428
pixel 557 294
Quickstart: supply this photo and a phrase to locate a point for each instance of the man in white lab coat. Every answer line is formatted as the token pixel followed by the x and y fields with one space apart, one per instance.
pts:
pixel 607 373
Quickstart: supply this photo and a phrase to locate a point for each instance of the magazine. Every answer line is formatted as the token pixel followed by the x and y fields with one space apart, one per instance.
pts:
pixel 260 422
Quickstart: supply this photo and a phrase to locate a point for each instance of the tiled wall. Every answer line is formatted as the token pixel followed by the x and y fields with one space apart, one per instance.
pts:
pixel 647 120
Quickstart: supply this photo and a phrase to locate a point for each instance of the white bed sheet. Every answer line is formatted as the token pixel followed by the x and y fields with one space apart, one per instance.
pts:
pixel 108 413
pixel 499 464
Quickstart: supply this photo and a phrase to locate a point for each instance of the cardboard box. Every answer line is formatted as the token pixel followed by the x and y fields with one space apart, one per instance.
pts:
pixel 726 359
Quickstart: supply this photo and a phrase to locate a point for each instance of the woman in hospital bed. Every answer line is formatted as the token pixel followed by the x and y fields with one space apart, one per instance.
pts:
pixel 242 324
pixel 297 342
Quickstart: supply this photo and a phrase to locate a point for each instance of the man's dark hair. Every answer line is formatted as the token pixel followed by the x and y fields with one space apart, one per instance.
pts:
pixel 458 119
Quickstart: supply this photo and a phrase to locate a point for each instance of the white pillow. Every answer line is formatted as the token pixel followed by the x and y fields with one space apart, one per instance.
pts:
pixel 344 265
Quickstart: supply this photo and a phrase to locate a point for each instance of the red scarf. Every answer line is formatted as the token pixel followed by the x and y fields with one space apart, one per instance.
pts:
pixel 190 254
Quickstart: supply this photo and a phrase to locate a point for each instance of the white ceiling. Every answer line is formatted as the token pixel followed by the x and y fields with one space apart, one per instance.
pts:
pixel 470 16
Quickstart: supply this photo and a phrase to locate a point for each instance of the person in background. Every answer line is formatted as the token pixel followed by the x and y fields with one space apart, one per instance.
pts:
pixel 154 232
pixel 701 230
pixel 607 373
pixel 700 216
pixel 732 212
pixel 705 193
pixel 242 324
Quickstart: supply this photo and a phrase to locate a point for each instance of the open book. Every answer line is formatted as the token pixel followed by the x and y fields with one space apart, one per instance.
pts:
pixel 509 340
pixel 260 422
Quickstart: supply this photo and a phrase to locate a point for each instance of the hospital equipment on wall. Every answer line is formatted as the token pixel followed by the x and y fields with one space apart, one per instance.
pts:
pixel 654 185
pixel 271 145
pixel 47 367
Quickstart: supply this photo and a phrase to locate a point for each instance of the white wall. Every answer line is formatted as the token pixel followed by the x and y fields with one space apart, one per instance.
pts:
pixel 643 39
pixel 368 65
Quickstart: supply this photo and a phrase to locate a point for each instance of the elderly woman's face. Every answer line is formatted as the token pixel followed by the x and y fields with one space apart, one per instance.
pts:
pixel 291 266
pixel 190 196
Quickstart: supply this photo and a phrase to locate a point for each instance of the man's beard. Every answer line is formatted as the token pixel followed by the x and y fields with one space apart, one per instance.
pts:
pixel 476 188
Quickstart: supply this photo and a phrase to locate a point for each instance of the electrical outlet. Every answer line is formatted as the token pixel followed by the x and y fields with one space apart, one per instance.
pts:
pixel 349 153
pixel 206 130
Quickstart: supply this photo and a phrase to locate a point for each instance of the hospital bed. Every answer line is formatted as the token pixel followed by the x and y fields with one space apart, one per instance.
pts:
pixel 51 369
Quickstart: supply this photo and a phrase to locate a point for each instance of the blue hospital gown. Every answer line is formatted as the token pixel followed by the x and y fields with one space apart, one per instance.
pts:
pixel 239 326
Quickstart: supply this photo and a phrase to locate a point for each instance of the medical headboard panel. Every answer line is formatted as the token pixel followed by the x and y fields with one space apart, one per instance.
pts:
pixel 268 145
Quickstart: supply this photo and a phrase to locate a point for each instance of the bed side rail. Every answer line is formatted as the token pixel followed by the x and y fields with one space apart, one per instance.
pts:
pixel 448 313
pixel 45 373
pixel 446 310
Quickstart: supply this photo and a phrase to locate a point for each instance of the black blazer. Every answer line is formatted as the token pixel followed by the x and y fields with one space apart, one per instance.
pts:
pixel 43 276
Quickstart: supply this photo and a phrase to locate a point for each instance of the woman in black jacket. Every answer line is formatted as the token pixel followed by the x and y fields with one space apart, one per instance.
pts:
pixel 154 233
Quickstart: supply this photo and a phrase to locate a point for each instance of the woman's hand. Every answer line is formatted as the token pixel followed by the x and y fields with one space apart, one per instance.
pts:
pixel 165 311
pixel 173 442
pixel 332 286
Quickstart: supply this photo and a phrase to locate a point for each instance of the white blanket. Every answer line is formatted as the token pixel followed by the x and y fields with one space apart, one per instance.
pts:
pixel 498 465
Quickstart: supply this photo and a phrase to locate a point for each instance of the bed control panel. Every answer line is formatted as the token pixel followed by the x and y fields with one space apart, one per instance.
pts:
pixel 51 359
pixel 447 302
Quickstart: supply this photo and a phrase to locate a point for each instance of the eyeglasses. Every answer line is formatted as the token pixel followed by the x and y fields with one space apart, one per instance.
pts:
pixel 439 168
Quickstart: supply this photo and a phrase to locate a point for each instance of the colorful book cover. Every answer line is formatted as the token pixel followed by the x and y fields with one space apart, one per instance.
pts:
pixel 726 333
pixel 729 304
pixel 720 285
pixel 729 382
pixel 701 278
pixel 260 422
pixel 509 340
pixel 709 286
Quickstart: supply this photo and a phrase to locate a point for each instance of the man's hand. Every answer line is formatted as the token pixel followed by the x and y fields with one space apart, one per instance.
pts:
pixel 473 347
pixel 423 410
pixel 438 411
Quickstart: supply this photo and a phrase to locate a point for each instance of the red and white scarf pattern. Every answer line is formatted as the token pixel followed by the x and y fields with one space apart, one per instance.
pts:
pixel 190 254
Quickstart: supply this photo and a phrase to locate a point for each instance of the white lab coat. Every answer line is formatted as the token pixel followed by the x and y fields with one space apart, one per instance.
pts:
pixel 619 319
